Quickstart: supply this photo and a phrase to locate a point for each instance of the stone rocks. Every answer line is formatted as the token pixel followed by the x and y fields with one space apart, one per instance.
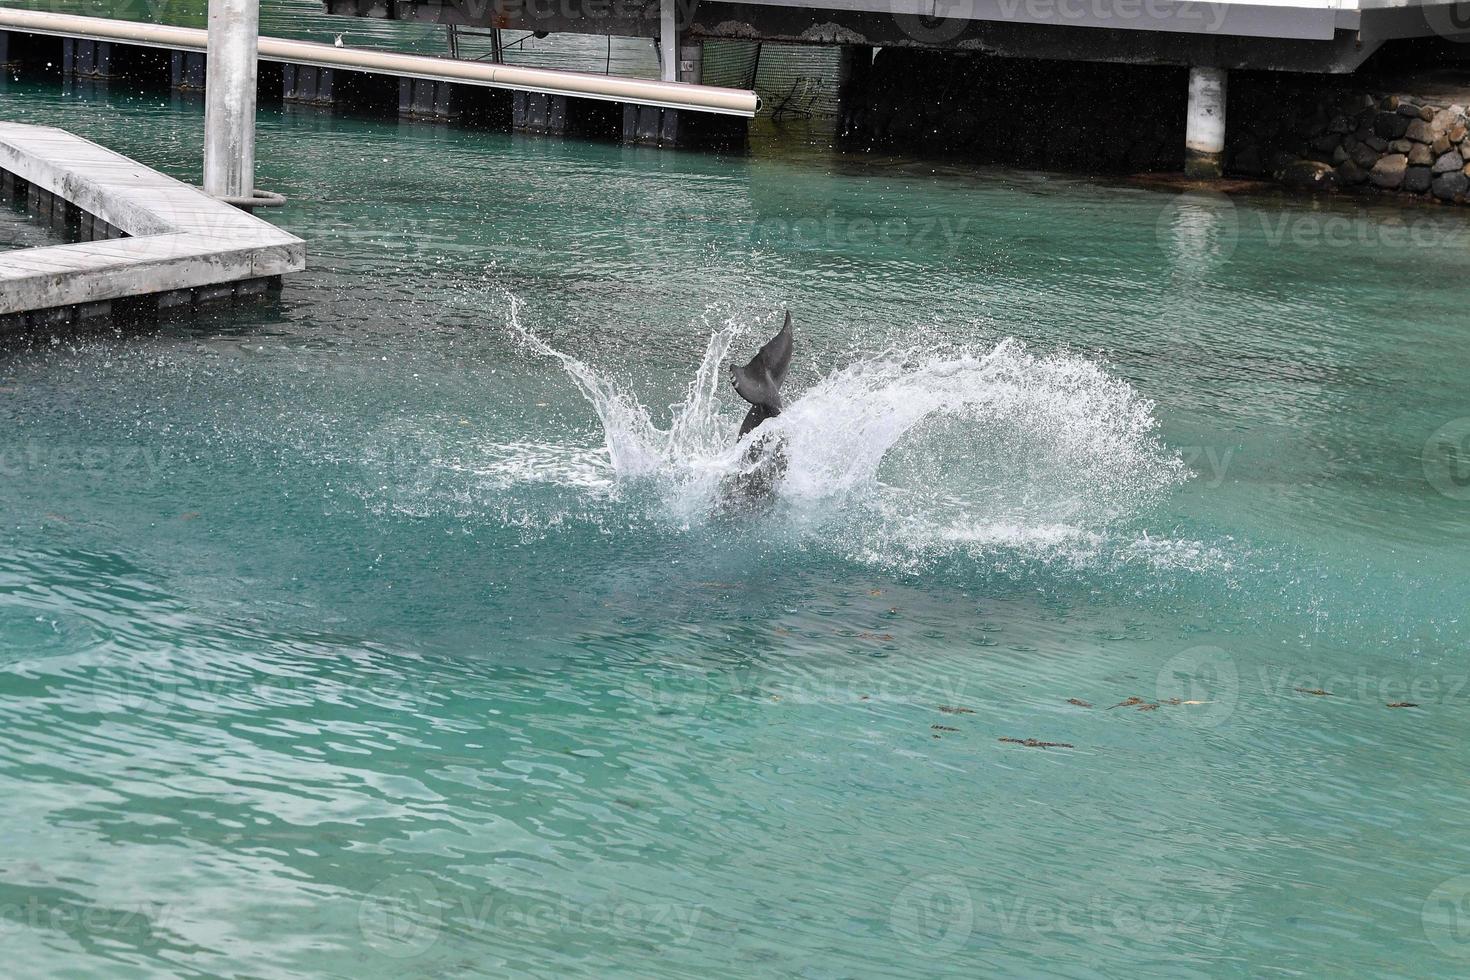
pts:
pixel 1388 172
pixel 1350 173
pixel 1390 125
pixel 1305 175
pixel 1448 187
pixel 1312 135
pixel 1365 156
pixel 1416 180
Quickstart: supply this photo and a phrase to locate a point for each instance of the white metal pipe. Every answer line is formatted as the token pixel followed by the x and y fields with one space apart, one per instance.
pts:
pixel 229 98
pixel 671 95
pixel 1204 127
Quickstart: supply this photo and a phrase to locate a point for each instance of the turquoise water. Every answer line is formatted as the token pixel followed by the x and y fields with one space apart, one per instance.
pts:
pixel 334 639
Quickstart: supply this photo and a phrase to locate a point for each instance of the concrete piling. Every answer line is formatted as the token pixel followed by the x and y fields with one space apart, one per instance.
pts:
pixel 229 98
pixel 186 71
pixel 308 84
pixel 539 112
pixel 668 40
pixel 423 98
pixel 1204 133
pixel 86 58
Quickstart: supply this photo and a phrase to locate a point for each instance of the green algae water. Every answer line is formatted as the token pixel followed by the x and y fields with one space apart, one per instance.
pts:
pixel 396 629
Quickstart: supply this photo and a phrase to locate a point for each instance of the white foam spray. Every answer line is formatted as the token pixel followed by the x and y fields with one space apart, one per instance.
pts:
pixel 904 452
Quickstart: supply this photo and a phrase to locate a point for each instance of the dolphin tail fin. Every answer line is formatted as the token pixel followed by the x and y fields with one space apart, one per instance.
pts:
pixel 759 382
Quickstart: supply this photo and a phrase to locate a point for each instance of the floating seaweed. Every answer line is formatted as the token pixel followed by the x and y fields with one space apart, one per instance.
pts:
pixel 950 709
pixel 1317 691
pixel 1403 704
pixel 1142 705
pixel 1081 703
pixel 1032 743
pixel 943 728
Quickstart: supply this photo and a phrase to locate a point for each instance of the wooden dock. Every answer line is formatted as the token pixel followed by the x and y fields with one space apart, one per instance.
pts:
pixel 146 242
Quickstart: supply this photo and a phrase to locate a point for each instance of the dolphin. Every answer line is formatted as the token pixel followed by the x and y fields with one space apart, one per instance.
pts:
pixel 759 383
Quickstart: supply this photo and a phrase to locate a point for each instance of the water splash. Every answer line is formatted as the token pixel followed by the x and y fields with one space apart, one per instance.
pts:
pixel 919 450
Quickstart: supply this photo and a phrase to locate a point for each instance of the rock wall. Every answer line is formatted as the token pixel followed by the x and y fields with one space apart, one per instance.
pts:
pixel 1341 136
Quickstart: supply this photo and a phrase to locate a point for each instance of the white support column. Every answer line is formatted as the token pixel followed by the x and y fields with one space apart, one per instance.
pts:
pixel 229 98
pixel 668 41
pixel 1204 128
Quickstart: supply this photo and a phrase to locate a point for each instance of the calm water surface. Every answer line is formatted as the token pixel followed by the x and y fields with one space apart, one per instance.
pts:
pixel 334 641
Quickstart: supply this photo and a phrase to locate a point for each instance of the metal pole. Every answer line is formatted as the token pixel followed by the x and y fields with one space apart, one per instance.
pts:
pixel 668 41
pixel 229 98
pixel 1204 128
